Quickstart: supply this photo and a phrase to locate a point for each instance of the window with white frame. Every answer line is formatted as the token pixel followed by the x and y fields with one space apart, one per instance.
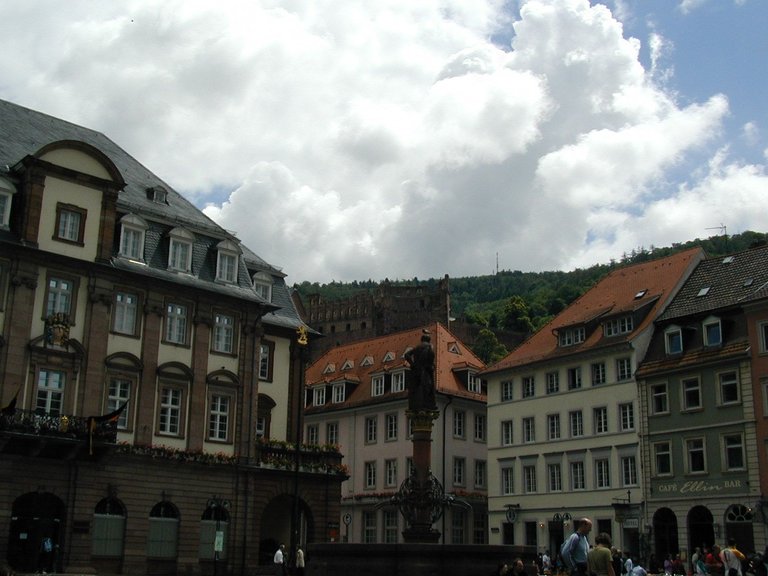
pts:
pixel 170 413
pixel 555 477
pixel 371 429
pixel 474 383
pixel 506 433
pixel 729 387
pixel 600 417
pixel 391 527
pixel 313 434
pixel 119 393
pixel 176 323
pixel 629 471
pixel 529 430
pixel 223 333
pixel 763 330
pixel 227 258
pixel 553 382
pixel 576 420
pixel 180 250
pixel 571 336
pixel 480 427
pixel 673 340
pixel 529 479
pixel 459 471
pixel 60 294
pixel 50 392
pixel 218 417
pixel 481 468
pixel 697 461
pixel 125 315
pixel 733 448
pixel 578 480
pixel 624 369
pixel 332 433
pixel 691 389
pixel 377 385
pixel 70 223
pixel 318 396
pixel 553 426
pixel 7 190
pixel 262 285
pixel 391 423
pixel 507 480
pixel 398 381
pixel 529 387
pixel 390 472
pixel 602 473
pixel 507 390
pixel 617 326
pixel 266 357
pixel 338 393
pixel 459 424
pixel 369 527
pixel 713 333
pixel 659 399
pixel 627 416
pixel 662 456
pixel 574 378
pixel 133 230
pixel 598 373
pixel 370 475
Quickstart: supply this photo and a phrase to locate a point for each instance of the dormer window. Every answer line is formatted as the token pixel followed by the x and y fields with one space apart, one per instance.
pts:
pixel 348 365
pixel 389 357
pixel 158 194
pixel 367 361
pixel 673 340
pixel 617 326
pixel 713 333
pixel 70 223
pixel 226 261
pixel 318 396
pixel 571 336
pixel 132 232
pixel 262 284
pixel 377 385
pixel 474 384
pixel 339 393
pixel 330 368
pixel 180 251
pixel 7 190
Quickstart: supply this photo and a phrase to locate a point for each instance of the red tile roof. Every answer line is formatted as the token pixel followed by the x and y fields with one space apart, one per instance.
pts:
pixel 621 291
pixel 452 357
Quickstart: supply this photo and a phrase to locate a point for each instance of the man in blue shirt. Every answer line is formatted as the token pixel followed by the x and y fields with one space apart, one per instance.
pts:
pixel 576 547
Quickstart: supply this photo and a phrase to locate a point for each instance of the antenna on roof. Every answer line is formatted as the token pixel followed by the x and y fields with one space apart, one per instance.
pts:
pixel 724 231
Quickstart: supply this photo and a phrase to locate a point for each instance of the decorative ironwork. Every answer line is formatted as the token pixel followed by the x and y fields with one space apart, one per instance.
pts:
pixel 414 499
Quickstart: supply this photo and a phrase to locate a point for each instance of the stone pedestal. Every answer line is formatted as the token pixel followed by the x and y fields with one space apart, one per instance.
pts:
pixel 423 495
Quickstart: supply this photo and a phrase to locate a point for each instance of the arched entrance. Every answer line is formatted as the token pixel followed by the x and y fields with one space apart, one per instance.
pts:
pixel 701 531
pixel 665 533
pixel 276 527
pixel 738 525
pixel 36 516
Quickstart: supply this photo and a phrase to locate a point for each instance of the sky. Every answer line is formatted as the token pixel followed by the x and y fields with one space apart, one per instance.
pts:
pixel 345 140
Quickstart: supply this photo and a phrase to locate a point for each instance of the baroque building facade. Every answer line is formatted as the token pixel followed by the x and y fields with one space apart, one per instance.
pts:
pixel 702 392
pixel 564 414
pixel 357 397
pixel 150 373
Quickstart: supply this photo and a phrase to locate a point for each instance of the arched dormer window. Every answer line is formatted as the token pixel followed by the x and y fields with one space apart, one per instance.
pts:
pixel 7 190
pixel 226 261
pixel 262 284
pixel 180 250
pixel 132 232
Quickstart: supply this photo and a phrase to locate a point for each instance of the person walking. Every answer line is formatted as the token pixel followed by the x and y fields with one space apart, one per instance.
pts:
pixel 732 559
pixel 575 549
pixel 299 561
pixel 600 559
pixel 279 561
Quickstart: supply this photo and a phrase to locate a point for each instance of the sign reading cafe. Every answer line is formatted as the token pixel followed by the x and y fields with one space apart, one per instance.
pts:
pixel 699 487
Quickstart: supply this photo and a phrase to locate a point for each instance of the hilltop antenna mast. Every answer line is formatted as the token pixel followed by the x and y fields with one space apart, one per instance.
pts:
pixel 724 231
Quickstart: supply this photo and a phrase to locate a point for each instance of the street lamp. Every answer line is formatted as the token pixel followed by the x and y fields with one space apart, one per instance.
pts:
pixel 218 507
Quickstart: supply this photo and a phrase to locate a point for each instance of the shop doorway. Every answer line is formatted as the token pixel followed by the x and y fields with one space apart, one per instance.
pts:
pixel 35 534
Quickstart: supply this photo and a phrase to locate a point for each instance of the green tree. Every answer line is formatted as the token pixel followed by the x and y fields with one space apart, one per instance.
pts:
pixel 516 316
pixel 488 348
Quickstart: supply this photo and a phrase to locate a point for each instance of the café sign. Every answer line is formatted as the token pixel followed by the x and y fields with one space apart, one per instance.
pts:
pixel 699 487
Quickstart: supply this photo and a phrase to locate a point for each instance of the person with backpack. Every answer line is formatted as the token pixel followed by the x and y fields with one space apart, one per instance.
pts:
pixel 575 549
pixel 732 559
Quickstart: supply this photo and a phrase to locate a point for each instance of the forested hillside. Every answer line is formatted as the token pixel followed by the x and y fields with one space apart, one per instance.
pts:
pixel 523 301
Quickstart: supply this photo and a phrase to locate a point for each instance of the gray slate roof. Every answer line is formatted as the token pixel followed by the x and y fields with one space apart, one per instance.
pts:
pixel 23 132
pixel 721 282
